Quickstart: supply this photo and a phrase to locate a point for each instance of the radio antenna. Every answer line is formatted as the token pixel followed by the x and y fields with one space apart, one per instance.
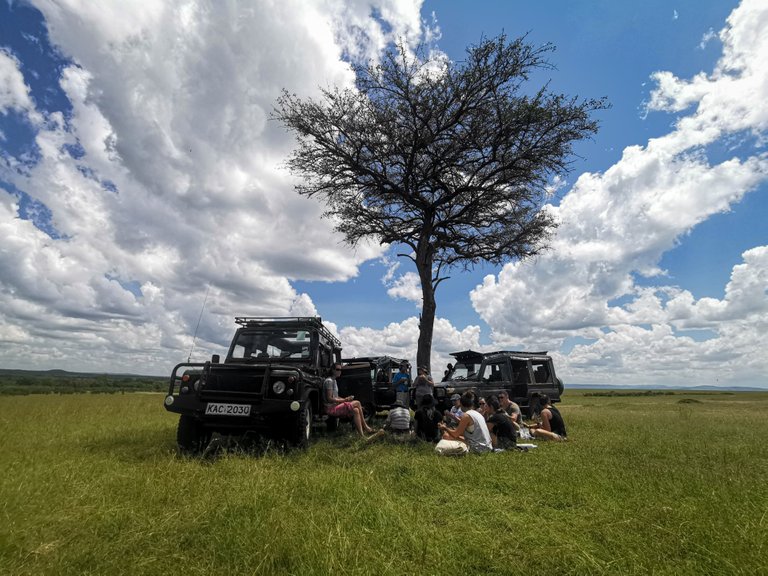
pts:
pixel 194 338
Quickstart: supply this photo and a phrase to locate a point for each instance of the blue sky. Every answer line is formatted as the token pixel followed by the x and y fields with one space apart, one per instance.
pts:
pixel 139 171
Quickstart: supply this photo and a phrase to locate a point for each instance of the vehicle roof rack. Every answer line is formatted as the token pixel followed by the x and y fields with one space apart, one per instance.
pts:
pixel 288 321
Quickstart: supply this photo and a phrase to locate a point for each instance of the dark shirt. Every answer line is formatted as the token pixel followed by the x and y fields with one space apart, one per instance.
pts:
pixel 556 422
pixel 427 420
pixel 503 429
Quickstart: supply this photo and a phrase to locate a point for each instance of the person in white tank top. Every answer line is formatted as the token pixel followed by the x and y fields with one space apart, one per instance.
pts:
pixel 471 430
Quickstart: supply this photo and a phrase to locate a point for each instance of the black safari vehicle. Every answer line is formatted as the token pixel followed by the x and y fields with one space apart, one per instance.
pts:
pixel 519 373
pixel 369 380
pixel 270 383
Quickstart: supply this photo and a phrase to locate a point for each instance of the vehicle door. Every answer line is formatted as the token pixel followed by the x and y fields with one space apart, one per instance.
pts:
pixel 356 380
pixel 385 390
pixel 495 376
pixel 543 378
pixel 521 379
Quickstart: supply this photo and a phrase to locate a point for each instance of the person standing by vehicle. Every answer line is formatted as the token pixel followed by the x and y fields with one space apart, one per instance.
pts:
pixel 424 385
pixel 552 426
pixel 471 430
pixel 402 384
pixel 339 407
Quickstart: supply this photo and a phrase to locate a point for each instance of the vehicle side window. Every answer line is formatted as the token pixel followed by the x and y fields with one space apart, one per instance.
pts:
pixel 495 372
pixel 325 357
pixel 541 372
pixel 520 372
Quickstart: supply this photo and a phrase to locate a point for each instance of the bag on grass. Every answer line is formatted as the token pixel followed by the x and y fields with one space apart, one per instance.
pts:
pixel 451 448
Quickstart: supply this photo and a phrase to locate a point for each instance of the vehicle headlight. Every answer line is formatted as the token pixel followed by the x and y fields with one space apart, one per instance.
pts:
pixel 278 387
pixel 168 400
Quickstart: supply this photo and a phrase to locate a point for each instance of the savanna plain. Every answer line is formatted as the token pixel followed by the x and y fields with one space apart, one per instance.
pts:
pixel 647 484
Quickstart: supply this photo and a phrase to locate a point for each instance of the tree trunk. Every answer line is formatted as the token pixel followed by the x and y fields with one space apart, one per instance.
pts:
pixel 427 321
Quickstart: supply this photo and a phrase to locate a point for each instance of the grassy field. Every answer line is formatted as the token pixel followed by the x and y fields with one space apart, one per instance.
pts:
pixel 668 484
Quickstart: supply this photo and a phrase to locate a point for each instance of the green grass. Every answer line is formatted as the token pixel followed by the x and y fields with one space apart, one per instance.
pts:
pixel 672 484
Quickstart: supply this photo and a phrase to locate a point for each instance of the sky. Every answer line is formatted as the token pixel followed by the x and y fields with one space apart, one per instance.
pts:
pixel 145 200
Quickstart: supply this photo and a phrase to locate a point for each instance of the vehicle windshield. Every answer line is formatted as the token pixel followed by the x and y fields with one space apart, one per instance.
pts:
pixel 268 344
pixel 463 371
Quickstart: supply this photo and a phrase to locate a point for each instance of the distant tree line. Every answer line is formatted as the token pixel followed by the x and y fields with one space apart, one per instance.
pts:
pixel 19 382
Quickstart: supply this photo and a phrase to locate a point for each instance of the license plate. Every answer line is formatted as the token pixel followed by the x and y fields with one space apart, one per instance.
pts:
pixel 220 409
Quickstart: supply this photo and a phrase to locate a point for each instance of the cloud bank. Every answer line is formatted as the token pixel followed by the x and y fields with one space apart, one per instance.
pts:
pixel 616 225
pixel 161 186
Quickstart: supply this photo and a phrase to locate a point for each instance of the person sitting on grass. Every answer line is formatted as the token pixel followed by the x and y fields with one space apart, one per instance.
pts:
pixel 453 415
pixel 343 407
pixel 399 422
pixel 500 424
pixel 552 426
pixel 511 408
pixel 471 430
pixel 427 418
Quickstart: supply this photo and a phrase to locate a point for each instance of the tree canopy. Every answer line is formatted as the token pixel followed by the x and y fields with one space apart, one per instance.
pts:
pixel 453 160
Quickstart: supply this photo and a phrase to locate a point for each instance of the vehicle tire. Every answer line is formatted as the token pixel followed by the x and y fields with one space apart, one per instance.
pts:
pixel 191 436
pixel 560 387
pixel 303 431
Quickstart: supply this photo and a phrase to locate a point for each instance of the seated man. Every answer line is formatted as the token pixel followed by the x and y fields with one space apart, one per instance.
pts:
pixel 552 426
pixel 511 408
pixel 398 423
pixel 453 415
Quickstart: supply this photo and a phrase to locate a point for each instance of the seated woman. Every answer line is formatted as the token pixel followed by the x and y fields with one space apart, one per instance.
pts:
pixel 343 407
pixel 471 430
pixel 552 426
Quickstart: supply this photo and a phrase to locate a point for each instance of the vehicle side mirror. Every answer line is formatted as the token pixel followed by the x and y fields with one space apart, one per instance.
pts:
pixel 215 359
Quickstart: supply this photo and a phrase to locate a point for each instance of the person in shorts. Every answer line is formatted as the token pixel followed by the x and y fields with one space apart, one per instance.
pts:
pixel 339 407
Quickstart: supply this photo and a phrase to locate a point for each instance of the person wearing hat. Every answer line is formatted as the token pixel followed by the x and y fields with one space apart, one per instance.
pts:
pixel 427 418
pixel 398 423
pixel 453 415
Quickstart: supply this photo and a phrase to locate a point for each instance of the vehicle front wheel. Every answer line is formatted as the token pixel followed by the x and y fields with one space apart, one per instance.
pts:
pixel 303 426
pixel 191 436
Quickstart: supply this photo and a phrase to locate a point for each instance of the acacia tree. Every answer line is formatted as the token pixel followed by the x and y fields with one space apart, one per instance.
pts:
pixel 450 159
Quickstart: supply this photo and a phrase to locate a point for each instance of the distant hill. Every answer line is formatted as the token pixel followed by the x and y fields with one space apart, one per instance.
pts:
pixel 700 388
pixel 14 382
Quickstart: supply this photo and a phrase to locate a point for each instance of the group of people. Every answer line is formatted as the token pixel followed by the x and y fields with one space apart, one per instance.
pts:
pixel 473 423
pixel 496 423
